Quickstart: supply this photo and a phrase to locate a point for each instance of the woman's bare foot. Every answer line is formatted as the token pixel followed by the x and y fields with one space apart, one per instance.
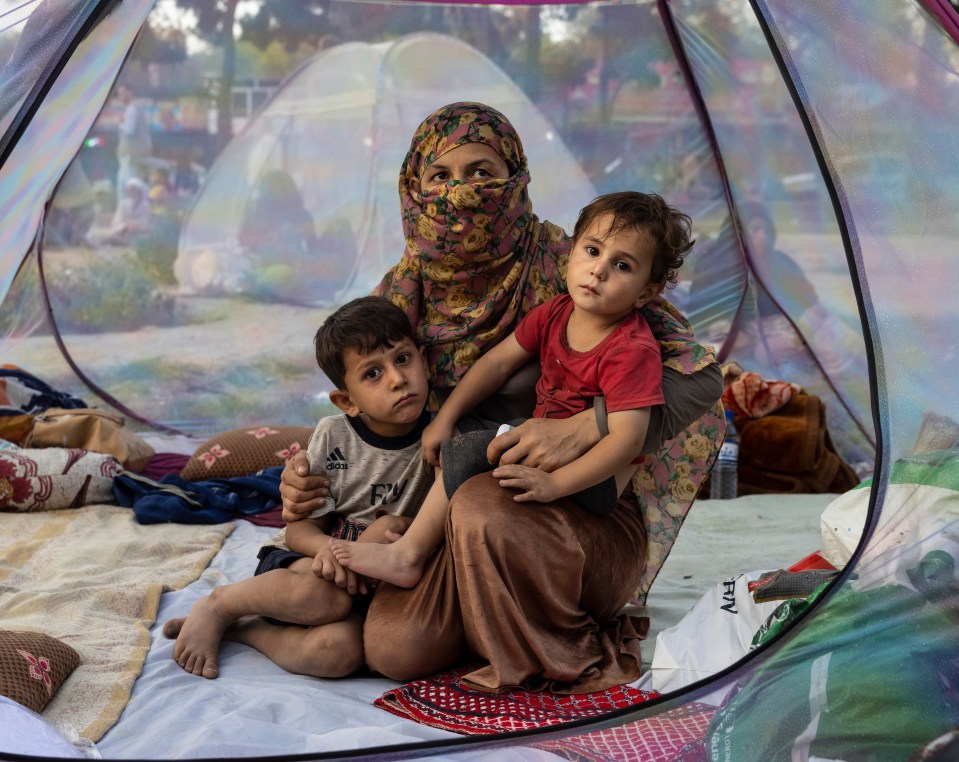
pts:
pixel 198 637
pixel 389 563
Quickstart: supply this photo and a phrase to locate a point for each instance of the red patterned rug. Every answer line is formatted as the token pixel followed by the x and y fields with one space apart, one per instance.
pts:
pixel 441 701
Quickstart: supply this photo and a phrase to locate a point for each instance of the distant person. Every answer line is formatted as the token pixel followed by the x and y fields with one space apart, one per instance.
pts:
pixel 134 143
pixel 160 242
pixel 783 292
pixel 72 210
pixel 188 173
pixel 161 192
pixel 132 218
pixel 276 222
pixel 286 259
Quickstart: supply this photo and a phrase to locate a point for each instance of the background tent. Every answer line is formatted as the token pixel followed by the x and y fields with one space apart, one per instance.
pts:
pixel 833 120
pixel 348 193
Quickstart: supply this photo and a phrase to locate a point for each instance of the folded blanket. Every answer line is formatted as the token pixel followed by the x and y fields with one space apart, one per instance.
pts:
pixel 791 440
pixel 790 451
pixel 833 475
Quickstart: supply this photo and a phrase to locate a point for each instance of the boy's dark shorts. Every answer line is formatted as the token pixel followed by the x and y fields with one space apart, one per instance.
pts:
pixel 272 557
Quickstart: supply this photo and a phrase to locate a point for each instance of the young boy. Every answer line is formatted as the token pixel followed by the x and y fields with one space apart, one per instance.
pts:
pixel 378 479
pixel 592 342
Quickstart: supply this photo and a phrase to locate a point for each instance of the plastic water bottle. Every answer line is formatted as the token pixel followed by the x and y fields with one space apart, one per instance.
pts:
pixel 724 482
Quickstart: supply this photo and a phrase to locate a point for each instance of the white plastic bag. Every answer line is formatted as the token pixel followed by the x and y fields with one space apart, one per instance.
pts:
pixel 841 525
pixel 716 632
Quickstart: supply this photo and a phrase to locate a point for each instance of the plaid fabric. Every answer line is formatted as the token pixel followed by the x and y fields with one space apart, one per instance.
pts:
pixel 782 585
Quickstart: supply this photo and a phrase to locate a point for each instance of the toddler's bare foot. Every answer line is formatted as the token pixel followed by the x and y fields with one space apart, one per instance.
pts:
pixel 390 563
pixel 198 638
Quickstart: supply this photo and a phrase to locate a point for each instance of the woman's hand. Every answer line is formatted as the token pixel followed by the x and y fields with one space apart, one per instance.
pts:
pixel 545 443
pixel 301 492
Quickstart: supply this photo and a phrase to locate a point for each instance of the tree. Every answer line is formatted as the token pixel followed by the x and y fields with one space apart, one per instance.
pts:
pixel 624 57
pixel 214 23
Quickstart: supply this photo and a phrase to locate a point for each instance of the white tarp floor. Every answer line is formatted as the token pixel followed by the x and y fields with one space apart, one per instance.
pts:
pixel 256 709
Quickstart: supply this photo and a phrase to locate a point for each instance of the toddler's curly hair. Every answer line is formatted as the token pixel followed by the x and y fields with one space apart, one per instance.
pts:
pixel 670 229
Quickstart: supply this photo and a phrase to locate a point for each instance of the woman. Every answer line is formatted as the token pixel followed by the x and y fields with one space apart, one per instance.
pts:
pixel 534 590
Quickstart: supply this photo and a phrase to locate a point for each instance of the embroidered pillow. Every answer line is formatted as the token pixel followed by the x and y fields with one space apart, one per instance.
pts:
pixel 242 452
pixel 52 478
pixel 33 666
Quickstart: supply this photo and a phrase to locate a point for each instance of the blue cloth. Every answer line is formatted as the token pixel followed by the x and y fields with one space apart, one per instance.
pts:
pixel 40 395
pixel 215 501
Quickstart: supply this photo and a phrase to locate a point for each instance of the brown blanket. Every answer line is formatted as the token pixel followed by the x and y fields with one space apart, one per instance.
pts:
pixel 791 451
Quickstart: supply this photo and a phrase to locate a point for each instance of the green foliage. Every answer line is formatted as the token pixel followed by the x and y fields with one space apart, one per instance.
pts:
pixel 114 294
pixel 156 251
pixel 21 309
pixel 204 399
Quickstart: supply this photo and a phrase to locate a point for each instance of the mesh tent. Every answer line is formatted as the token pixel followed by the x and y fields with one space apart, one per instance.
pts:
pixel 811 142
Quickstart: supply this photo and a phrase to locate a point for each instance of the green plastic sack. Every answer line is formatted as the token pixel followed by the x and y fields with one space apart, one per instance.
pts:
pixel 859 682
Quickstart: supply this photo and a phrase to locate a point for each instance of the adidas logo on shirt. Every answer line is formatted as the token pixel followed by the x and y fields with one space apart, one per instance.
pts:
pixel 336 460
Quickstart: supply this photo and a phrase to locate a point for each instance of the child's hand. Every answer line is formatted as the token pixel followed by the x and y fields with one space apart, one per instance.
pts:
pixel 533 484
pixel 328 568
pixel 433 436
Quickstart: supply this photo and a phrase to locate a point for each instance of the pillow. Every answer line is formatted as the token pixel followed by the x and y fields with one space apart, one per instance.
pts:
pixel 33 666
pixel 242 452
pixel 52 478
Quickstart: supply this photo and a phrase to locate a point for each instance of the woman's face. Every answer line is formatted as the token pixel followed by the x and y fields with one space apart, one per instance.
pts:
pixel 470 162
pixel 760 237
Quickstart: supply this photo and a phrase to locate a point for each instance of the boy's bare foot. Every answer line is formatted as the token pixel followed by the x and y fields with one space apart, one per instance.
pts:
pixel 389 563
pixel 198 638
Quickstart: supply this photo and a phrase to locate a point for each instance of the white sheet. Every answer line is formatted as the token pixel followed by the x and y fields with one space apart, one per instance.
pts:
pixel 256 709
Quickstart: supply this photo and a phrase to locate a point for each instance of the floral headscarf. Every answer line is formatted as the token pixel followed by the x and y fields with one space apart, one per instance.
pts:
pixel 477 259
pixel 476 256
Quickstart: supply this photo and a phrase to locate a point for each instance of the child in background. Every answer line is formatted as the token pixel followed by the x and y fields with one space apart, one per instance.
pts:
pixel 161 191
pixel 378 479
pixel 592 342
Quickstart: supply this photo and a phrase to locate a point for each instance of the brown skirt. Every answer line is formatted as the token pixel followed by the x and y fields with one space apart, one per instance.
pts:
pixel 533 590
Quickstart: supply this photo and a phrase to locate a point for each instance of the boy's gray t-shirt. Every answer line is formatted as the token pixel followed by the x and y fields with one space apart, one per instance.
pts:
pixel 370 475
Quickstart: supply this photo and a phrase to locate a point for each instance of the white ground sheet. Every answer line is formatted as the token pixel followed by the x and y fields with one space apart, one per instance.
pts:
pixel 256 709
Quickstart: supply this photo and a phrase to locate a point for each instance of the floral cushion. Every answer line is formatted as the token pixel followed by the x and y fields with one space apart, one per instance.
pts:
pixel 52 478
pixel 242 452
pixel 33 666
